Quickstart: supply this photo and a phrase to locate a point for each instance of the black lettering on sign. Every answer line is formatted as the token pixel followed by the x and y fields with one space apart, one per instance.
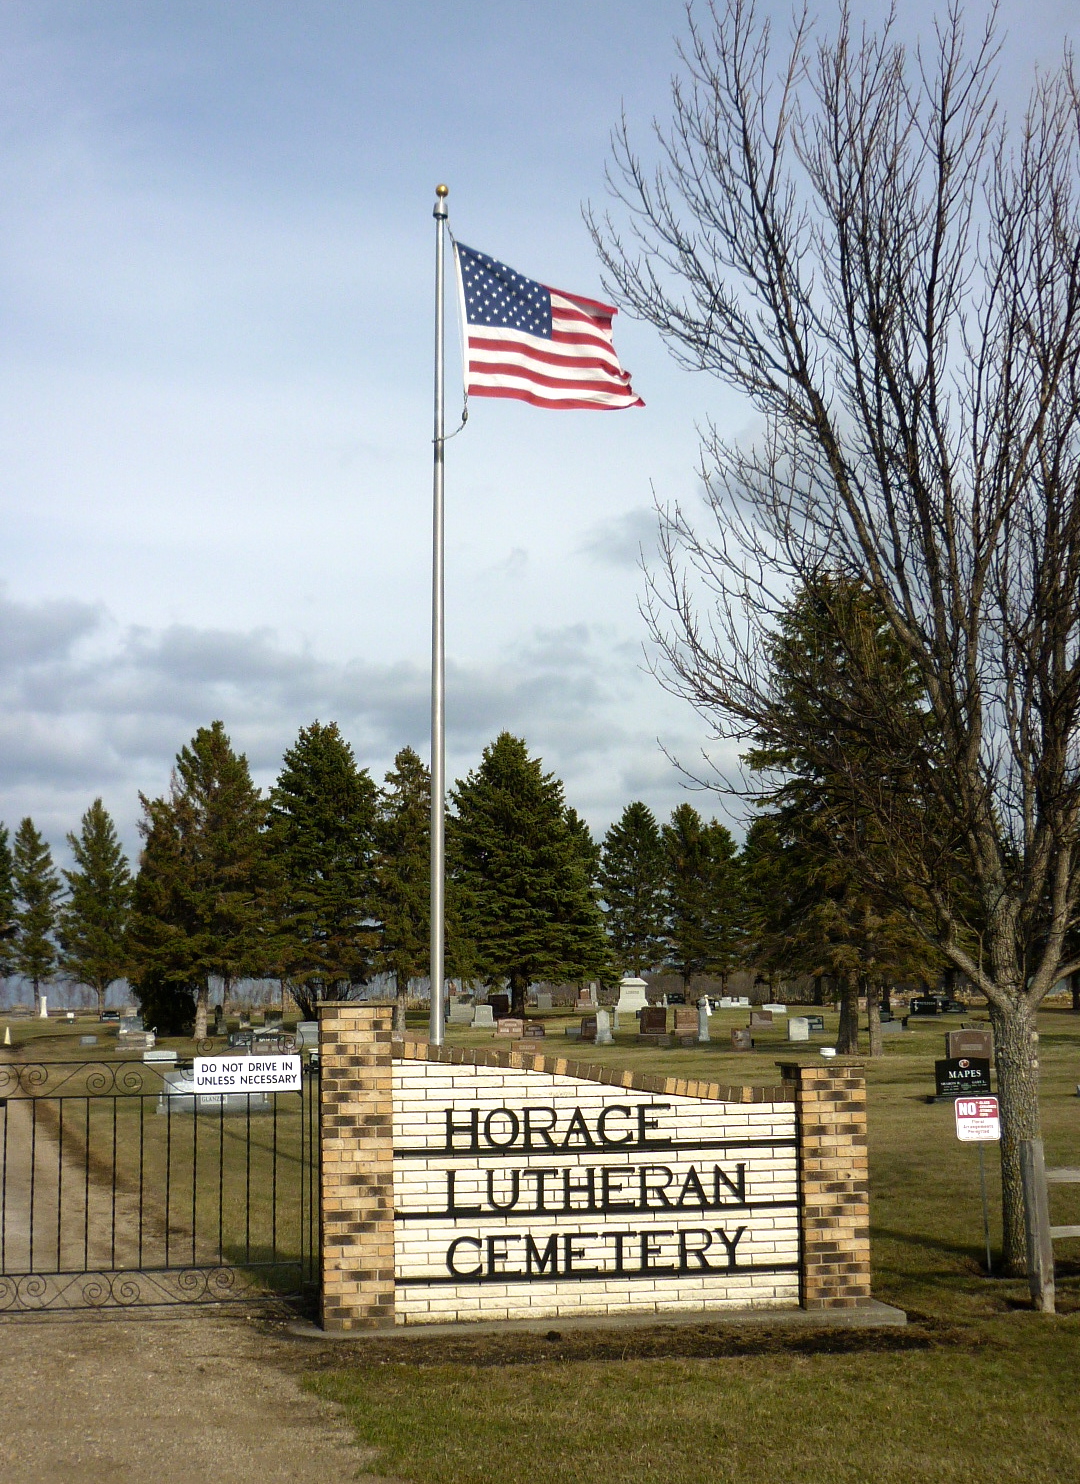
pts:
pixel 497 1252
pixel 619 1239
pixel 738 1189
pixel 535 1262
pixel 515 1189
pixel 451 1255
pixel 472 1128
pixel 572 1187
pixel 644 1124
pixel 698 1251
pixel 539 1127
pixel 490 1123
pixel 611 1188
pixel 650 1183
pixel 452 1208
pixel 540 1175
pixel 650 1248
pixel 572 1252
pixel 611 1111
pixel 692 1193
pixel 581 1128
pixel 730 1243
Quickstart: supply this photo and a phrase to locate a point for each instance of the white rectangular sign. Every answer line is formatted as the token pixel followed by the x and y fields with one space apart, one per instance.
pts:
pixel 977 1119
pixel 247 1074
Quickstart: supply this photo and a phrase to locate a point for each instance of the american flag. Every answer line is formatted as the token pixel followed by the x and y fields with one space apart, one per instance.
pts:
pixel 535 343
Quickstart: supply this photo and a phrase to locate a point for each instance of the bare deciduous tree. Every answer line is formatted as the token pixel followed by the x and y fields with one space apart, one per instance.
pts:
pixel 849 234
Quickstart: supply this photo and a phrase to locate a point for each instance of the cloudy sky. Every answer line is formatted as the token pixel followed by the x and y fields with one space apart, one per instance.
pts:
pixel 215 369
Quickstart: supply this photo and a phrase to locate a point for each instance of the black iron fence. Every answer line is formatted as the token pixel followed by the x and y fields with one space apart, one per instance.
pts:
pixel 120 1185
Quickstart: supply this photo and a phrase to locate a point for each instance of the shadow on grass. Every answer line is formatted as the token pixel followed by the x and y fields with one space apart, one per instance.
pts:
pixel 683 1342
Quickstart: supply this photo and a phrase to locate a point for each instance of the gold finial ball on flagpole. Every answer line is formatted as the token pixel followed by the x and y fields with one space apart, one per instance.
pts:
pixel 442 190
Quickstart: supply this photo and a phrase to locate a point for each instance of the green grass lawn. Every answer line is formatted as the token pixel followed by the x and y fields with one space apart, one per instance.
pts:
pixel 978 1388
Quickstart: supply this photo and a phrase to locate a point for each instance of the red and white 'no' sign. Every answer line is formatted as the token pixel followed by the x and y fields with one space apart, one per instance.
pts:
pixel 977 1119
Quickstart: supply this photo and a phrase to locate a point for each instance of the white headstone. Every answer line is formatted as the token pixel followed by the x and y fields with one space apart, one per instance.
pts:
pixel 603 1028
pixel 43 1012
pixel 632 998
pixel 483 1017
pixel 703 1022
pixel 798 1028
pixel 776 1009
pixel 543 1000
pixel 827 1051
pixel 461 1014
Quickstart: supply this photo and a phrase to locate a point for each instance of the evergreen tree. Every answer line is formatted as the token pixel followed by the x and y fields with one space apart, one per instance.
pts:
pixel 632 882
pixel 525 898
pixel 322 826
pixel 831 919
pixel 200 894
pixel 7 903
pixel 703 899
pixel 403 875
pixel 37 892
pixel 94 921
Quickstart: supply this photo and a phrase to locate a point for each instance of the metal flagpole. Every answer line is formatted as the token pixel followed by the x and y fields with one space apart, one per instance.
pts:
pixel 438 672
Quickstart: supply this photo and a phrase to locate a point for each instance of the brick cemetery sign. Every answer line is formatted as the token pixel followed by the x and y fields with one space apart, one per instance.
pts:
pixel 497 1184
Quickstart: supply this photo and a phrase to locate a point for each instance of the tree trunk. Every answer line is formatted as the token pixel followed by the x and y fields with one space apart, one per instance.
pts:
pixel 1016 1056
pixel 1074 985
pixel 401 995
pixel 847 1039
pixel 886 995
pixel 102 991
pixel 518 985
pixel 873 1016
pixel 201 1003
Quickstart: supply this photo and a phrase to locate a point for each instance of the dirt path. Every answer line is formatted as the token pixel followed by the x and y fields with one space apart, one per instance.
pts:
pixel 103 1400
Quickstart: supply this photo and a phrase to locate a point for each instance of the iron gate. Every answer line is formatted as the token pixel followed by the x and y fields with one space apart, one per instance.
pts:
pixel 118 1189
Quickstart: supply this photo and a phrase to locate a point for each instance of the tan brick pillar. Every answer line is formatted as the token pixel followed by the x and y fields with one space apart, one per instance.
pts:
pixel 357 1166
pixel 830 1106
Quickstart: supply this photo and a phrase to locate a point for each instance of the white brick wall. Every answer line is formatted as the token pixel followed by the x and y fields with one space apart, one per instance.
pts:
pixel 654 1185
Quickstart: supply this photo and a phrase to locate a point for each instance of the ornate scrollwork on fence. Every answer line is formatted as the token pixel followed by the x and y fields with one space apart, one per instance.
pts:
pixel 76 1079
pixel 29 1292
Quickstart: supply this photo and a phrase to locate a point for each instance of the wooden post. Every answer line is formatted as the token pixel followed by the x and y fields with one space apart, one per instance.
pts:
pixel 1040 1245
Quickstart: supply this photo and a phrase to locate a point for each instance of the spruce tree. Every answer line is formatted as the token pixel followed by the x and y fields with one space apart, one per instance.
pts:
pixel 403 875
pixel 519 866
pixel 703 900
pixel 7 903
pixel 322 826
pixel 200 895
pixel 37 892
pixel 94 921
pixel 632 883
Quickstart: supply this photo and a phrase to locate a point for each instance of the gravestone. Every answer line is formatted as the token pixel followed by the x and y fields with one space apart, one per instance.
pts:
pixel 461 1014
pixel 970 1043
pixel 160 1055
pixel 759 1019
pixel 962 1076
pixel 483 1018
pixel 775 1009
pixel 588 1028
pixel 704 1038
pixel 686 1025
pixel 816 1024
pixel 43 1010
pixel 307 1033
pixel 798 1028
pixel 544 1002
pixel 632 998
pixel 741 1039
pixel 500 1004
pixel 88 1040
pixel 510 1025
pixel 245 1022
pixel 892 1028
pixel 652 1021
pixel 603 1028
pixel 534 1029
